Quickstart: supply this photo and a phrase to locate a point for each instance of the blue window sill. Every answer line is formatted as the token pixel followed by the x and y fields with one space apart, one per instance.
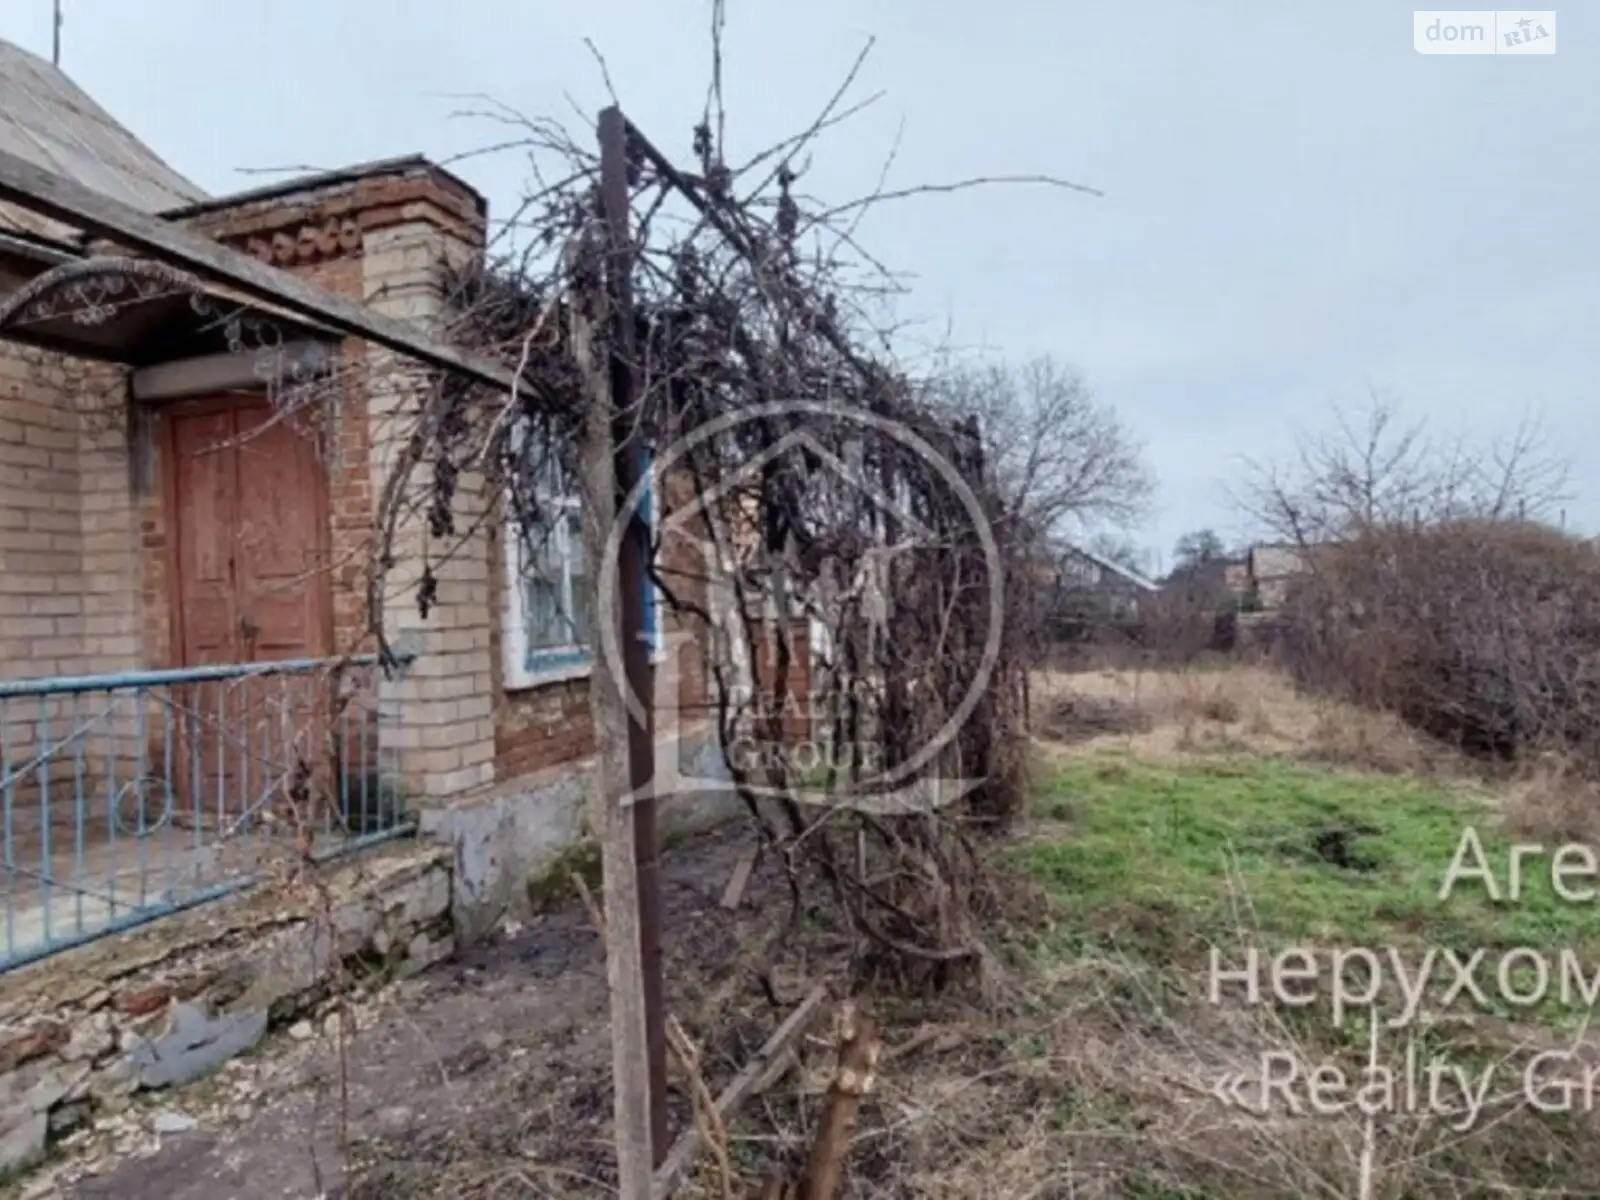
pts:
pixel 547 667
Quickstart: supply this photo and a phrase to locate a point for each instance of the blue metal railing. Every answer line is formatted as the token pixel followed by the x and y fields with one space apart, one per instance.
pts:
pixel 128 797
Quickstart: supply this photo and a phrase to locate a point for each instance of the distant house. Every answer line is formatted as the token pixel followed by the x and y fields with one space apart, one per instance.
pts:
pixel 1091 568
pixel 1257 580
pixel 1213 580
pixel 1273 567
pixel 1090 586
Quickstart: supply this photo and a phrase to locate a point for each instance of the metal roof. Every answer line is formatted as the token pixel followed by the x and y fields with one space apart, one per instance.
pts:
pixel 322 179
pixel 54 124
pixel 1122 572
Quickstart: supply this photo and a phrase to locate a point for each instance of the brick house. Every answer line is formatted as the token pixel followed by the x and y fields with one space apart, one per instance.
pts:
pixel 1084 595
pixel 156 512
pixel 1220 582
pixel 1273 569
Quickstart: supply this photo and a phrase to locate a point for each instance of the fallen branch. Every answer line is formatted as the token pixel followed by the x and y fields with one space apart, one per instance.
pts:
pixel 713 1132
pixel 759 1073
pixel 733 894
pixel 597 916
pixel 919 1039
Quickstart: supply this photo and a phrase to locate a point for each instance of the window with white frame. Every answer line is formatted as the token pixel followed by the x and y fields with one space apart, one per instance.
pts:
pixel 549 627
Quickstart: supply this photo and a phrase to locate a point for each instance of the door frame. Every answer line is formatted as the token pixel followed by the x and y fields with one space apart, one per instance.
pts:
pixel 172 592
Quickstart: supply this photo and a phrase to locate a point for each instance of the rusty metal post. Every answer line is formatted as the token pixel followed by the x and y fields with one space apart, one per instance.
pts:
pixel 633 577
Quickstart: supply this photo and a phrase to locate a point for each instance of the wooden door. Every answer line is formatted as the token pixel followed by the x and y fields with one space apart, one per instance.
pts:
pixel 248 526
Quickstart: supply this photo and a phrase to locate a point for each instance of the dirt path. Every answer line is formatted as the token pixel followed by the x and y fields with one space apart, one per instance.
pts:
pixel 486 1076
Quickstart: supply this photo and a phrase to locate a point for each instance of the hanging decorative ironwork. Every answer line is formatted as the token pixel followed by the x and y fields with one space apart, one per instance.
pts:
pixel 90 292
pixel 243 331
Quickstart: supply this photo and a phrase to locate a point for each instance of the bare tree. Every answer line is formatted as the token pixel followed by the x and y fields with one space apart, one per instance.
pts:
pixel 1375 470
pixel 1060 458
pixel 747 324
pixel 1122 550
pixel 1195 548
pixel 1437 590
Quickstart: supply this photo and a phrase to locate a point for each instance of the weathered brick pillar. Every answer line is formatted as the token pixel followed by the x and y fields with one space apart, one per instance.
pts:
pixel 114 475
pixel 41 543
pixel 439 729
pixel 110 480
pixel 68 562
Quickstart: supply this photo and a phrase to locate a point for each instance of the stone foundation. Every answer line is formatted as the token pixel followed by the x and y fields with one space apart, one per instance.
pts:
pixel 506 838
pixel 167 1003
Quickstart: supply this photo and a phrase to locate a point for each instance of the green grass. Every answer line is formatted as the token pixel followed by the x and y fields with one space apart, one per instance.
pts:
pixel 1139 858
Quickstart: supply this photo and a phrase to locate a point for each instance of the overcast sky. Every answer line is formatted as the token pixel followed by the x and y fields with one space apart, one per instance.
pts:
pixel 1299 207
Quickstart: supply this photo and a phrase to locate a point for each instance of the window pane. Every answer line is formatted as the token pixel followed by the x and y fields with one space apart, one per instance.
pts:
pixel 550 478
pixel 546 629
pixel 540 552
pixel 574 523
pixel 579 627
pixel 542 461
pixel 541 584
pixel 579 577
pixel 558 609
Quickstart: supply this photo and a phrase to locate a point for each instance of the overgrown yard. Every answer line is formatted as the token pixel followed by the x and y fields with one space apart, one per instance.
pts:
pixel 1231 831
pixel 1231 813
pixel 1163 861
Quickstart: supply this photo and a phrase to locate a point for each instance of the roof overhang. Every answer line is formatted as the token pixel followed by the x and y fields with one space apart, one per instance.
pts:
pixel 231 274
pixel 132 310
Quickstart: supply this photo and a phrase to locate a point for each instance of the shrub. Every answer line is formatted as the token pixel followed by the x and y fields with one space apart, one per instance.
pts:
pixel 1485 633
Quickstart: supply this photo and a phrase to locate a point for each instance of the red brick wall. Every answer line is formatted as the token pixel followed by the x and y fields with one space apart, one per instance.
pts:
pixel 542 727
pixel 797 724
pixel 83 525
pixel 549 724
pixel 329 221
pixel 534 727
pixel 320 235
pixel 317 235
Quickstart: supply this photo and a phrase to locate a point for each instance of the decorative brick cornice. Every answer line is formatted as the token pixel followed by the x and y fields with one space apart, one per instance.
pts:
pixel 329 220
pixel 309 242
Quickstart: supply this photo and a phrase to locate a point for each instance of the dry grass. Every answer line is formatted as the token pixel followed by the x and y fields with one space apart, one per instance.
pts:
pixel 1552 801
pixel 1173 715
pixel 1105 1091
pixel 1242 708
pixel 1074 718
pixel 1084 1068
